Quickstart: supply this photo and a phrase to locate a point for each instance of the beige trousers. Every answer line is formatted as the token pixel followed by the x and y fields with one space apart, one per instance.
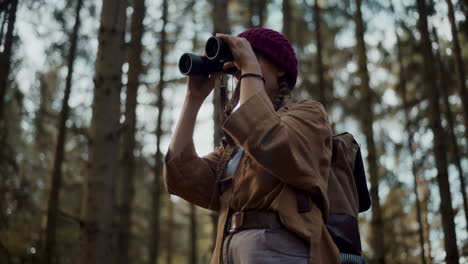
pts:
pixel 258 246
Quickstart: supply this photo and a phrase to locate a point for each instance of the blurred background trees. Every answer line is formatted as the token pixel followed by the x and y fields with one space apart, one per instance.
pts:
pixel 90 90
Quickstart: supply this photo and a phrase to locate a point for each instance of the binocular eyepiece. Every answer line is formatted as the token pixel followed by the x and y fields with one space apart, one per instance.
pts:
pixel 217 53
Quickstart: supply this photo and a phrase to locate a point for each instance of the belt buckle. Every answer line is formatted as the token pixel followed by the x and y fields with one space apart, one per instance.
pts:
pixel 237 221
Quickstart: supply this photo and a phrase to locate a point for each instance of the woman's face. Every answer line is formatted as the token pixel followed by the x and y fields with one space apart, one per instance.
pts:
pixel 271 72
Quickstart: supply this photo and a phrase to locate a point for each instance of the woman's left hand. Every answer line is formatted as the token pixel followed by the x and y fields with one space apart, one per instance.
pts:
pixel 244 56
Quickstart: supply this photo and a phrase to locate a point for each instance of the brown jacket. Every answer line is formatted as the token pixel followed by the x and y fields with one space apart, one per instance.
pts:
pixel 284 150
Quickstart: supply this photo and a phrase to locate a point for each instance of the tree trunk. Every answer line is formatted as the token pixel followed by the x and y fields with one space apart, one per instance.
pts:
pixel 451 127
pixel 287 19
pixel 459 68
pixel 4 16
pixel 103 154
pixel 128 158
pixel 53 205
pixel 158 167
pixel 427 227
pixel 5 55
pixel 170 231
pixel 440 151
pixel 406 109
pixel 256 13
pixel 377 225
pixel 219 13
pixel 252 7
pixel 262 8
pixel 193 235
pixel 319 56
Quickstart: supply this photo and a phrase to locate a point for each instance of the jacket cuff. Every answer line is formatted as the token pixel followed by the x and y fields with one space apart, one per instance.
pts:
pixel 256 113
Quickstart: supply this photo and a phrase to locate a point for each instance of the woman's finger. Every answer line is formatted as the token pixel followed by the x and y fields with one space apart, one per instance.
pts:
pixel 229 64
pixel 227 38
pixel 215 75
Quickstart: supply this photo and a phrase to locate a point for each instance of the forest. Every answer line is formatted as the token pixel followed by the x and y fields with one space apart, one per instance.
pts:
pixel 90 93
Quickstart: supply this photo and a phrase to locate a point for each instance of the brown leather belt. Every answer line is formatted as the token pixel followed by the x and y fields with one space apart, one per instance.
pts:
pixel 253 219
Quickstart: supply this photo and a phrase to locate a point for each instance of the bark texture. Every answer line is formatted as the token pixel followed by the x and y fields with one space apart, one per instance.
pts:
pixel 219 13
pixel 319 56
pixel 256 13
pixel 6 54
pixel 448 224
pixel 456 157
pixel 103 155
pixel 377 225
pixel 56 183
pixel 459 66
pixel 154 249
pixel 414 170
pixel 170 232
pixel 193 235
pixel 287 19
pixel 127 171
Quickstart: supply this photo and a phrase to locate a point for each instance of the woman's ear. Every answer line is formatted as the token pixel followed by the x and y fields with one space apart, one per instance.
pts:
pixel 280 73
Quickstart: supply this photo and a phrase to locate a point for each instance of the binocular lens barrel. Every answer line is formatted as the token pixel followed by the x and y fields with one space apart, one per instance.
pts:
pixel 191 64
pixel 217 53
pixel 217 49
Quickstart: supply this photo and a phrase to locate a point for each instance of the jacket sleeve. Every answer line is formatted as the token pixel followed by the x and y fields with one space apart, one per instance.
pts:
pixel 293 144
pixel 193 178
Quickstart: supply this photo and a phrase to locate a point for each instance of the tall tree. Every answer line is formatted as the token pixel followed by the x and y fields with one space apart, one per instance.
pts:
pixel 6 54
pixel 319 56
pixel 456 157
pixel 170 231
pixel 459 68
pixel 56 183
pixel 287 19
pixel 256 13
pixel 367 121
pixel 406 109
pixel 440 151
pixel 154 249
pixel 193 235
pixel 103 153
pixel 129 129
pixel 219 13
pixel 427 226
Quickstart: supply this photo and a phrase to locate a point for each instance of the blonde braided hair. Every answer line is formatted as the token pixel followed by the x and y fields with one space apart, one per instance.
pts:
pixel 283 94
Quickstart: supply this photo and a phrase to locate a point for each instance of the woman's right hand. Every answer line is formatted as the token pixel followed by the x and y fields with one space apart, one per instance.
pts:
pixel 200 86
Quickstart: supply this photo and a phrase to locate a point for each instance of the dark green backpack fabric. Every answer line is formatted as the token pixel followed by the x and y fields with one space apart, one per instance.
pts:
pixel 348 194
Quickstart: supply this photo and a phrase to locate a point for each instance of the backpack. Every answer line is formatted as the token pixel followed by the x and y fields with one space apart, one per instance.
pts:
pixel 347 194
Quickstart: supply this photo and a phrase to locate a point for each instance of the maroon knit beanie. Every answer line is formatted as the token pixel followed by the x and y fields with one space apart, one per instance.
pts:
pixel 276 47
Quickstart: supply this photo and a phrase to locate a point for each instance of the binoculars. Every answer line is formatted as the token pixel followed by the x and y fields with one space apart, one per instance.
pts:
pixel 217 53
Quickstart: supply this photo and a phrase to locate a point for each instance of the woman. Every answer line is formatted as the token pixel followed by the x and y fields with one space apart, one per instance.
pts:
pixel 277 149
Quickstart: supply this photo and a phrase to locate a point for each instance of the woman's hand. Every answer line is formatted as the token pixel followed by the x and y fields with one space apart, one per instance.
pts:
pixel 200 86
pixel 244 56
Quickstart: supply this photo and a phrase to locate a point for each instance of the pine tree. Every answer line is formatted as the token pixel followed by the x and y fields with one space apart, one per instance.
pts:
pixel 170 231
pixel 193 256
pixel 221 24
pixel 287 19
pixel 459 66
pixel 53 205
pixel 154 249
pixel 406 109
pixel 6 54
pixel 135 69
pixel 366 124
pixel 256 13
pixel 456 157
pixel 319 56
pixel 440 151
pixel 103 154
